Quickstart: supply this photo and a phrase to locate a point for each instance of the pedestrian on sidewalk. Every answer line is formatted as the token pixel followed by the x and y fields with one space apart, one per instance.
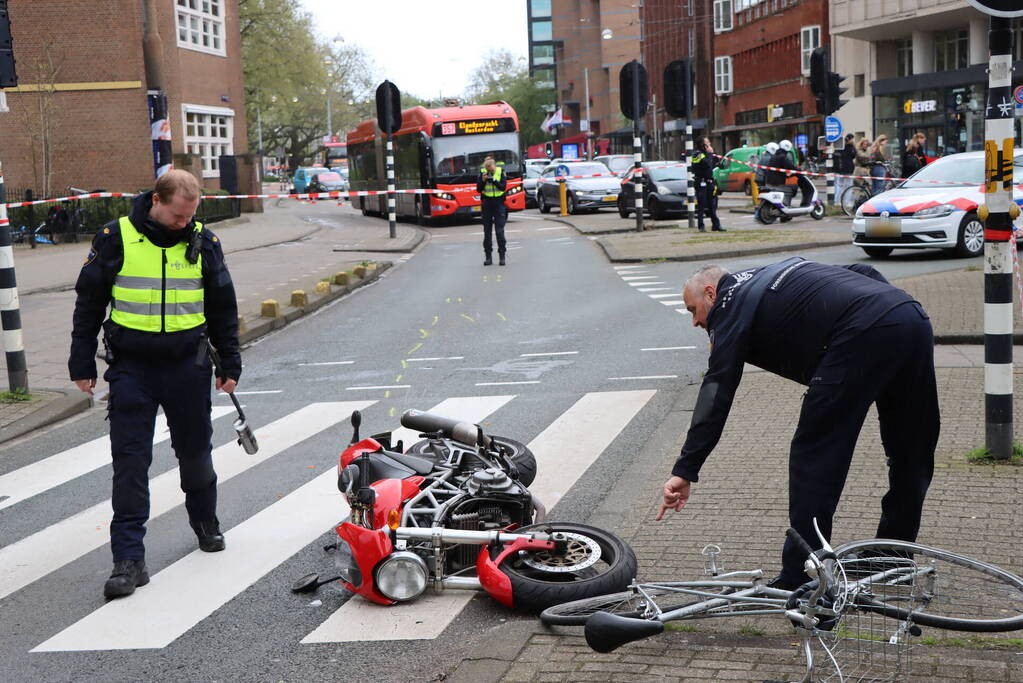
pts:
pixel 853 339
pixel 491 185
pixel 879 163
pixel 862 164
pixel 165 276
pixel 706 188
pixel 845 163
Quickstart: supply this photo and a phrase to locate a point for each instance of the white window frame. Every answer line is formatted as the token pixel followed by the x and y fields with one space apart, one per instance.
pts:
pixel 809 40
pixel 723 75
pixel 199 21
pixel 722 16
pixel 207 146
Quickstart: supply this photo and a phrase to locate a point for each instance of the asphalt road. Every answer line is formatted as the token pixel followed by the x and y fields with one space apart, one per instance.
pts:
pixel 559 349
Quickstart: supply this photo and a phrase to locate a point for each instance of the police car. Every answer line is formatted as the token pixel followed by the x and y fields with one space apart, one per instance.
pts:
pixel 935 207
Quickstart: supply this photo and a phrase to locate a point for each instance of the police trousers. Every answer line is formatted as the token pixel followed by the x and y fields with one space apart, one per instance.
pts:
pixel 138 386
pixel 495 215
pixel 706 204
pixel 891 364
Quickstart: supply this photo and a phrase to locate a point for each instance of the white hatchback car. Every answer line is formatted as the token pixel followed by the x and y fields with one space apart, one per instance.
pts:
pixel 935 207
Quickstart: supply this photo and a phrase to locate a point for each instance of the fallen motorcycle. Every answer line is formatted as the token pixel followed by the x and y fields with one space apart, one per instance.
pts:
pixel 454 512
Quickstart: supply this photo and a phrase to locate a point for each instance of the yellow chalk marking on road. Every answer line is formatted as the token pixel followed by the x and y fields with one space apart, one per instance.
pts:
pixel 467 318
pixel 397 379
pixel 435 319
pixel 448 300
pixel 501 316
pixel 387 394
pixel 414 349
pixel 423 334
pixel 404 364
pixel 392 412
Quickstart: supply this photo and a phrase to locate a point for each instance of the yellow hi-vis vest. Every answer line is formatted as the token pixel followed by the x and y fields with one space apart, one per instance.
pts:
pixel 490 189
pixel 157 289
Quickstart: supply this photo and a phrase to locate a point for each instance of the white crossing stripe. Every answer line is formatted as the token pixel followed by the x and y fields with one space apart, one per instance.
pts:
pixel 191 589
pixel 673 302
pixel 563 451
pixel 330 362
pixel 657 289
pixel 31 480
pixel 35 556
pixel 669 348
pixel 662 296
pixel 630 278
pixel 644 284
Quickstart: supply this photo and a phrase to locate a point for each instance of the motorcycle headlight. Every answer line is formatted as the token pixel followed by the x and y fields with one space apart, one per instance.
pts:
pixel 939 211
pixel 663 189
pixel 402 576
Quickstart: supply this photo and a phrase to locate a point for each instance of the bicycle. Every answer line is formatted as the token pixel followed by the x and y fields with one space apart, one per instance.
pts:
pixel 861 190
pixel 836 614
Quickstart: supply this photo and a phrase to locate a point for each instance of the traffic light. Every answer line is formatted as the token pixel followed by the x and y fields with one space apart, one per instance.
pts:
pixel 632 90
pixel 548 149
pixel 835 90
pixel 678 88
pixel 8 76
pixel 825 84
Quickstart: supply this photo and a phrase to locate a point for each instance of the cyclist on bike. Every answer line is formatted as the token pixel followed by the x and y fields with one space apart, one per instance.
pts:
pixel 854 340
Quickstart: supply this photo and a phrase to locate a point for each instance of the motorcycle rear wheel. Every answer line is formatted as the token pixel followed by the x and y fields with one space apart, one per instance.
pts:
pixel 523 458
pixel 539 579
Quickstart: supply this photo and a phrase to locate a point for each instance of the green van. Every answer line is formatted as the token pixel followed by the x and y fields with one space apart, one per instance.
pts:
pixel 738 177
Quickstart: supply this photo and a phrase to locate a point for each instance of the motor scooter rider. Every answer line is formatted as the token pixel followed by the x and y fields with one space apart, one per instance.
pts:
pixel 760 176
pixel 781 159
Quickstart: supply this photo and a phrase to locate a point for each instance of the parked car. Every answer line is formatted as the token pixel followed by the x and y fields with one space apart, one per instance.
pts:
pixel 529 182
pixel 327 181
pixel 663 188
pixel 583 193
pixel 539 164
pixel 734 176
pixel 618 163
pixel 303 175
pixel 919 214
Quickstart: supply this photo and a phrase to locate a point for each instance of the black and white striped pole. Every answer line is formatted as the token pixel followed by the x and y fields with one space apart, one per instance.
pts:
pixel 830 175
pixel 690 183
pixel 637 176
pixel 391 213
pixel 998 212
pixel 389 121
pixel 632 94
pixel 10 308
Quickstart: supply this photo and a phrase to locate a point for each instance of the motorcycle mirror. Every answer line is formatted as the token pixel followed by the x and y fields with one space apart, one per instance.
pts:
pixel 347 478
pixel 356 421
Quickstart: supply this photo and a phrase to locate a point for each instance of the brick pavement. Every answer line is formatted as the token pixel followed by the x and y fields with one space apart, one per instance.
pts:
pixel 954 301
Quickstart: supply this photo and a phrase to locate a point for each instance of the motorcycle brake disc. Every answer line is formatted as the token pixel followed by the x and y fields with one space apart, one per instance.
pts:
pixel 581 552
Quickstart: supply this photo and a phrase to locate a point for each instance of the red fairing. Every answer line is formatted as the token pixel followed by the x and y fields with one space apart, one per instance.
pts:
pixel 357 449
pixel 496 582
pixel 369 547
pixel 391 495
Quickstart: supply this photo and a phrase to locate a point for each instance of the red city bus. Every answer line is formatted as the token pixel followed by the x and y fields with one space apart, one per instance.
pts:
pixel 441 149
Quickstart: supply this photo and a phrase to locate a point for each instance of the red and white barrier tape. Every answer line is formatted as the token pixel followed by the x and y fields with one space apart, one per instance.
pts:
pixel 789 171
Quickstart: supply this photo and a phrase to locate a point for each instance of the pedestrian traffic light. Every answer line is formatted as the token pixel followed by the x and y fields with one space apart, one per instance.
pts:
pixel 678 88
pixel 548 149
pixel 835 90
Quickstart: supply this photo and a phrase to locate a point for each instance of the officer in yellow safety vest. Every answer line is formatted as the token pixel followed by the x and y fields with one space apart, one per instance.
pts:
pixel 165 278
pixel 491 185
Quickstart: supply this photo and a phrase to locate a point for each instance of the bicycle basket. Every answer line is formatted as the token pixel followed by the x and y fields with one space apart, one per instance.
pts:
pixel 865 645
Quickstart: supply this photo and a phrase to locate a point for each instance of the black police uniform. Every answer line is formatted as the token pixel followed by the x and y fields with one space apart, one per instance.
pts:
pixel 148 370
pixel 853 339
pixel 706 191
pixel 495 215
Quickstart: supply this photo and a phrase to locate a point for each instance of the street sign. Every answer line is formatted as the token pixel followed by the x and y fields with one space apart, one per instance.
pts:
pixel 998 8
pixel 1017 94
pixel 832 128
pixel 562 170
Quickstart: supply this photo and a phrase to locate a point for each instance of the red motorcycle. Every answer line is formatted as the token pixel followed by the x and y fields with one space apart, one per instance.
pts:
pixel 454 512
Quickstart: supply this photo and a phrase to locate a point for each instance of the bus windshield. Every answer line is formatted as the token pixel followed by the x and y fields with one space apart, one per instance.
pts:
pixel 458 159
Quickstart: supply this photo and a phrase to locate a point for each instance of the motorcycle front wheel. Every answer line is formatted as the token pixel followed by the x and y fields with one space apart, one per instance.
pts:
pixel 593 562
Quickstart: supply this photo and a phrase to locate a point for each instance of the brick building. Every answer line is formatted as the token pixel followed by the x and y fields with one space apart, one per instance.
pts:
pixel 675 29
pixel 761 68
pixel 82 91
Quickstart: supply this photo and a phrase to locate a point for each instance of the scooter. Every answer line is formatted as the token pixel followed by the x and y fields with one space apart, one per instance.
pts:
pixel 773 207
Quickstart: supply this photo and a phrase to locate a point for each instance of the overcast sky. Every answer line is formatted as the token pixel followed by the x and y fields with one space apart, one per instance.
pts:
pixel 423 47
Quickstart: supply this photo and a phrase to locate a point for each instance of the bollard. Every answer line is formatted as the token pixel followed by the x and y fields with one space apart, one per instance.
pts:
pixel 322 288
pixel 299 298
pixel 359 271
pixel 341 278
pixel 270 309
pixel 563 197
pixel 242 327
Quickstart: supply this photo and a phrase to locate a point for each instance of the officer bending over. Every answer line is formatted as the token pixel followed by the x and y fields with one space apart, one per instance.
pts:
pixel 491 185
pixel 854 340
pixel 166 279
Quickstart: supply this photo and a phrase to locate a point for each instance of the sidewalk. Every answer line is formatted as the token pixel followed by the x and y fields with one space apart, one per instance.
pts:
pixel 309 243
pixel 740 505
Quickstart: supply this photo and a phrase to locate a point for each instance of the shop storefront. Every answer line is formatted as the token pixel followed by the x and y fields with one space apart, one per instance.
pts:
pixel 801 131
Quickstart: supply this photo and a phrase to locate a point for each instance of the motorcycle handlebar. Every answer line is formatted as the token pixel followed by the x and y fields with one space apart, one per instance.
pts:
pixel 463 432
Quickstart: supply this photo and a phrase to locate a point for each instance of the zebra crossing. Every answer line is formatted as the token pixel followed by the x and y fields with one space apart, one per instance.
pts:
pixel 664 293
pixel 189 590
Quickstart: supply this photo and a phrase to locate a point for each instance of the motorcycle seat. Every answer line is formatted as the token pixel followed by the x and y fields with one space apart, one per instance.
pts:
pixel 414 462
pixel 387 465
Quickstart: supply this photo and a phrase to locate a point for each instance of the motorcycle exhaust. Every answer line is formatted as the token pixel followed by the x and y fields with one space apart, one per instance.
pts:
pixel 246 439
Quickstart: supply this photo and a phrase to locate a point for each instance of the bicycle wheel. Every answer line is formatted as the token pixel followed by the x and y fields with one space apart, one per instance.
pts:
pixel 945 590
pixel 852 197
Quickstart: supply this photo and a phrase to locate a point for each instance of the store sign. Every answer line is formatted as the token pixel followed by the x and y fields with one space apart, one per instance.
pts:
pixel 919 106
pixel 474 127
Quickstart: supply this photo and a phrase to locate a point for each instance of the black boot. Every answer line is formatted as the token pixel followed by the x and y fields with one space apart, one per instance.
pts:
pixel 500 260
pixel 488 261
pixel 210 538
pixel 127 575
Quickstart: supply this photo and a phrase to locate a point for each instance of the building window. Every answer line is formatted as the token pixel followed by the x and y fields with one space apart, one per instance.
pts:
pixel 809 40
pixel 859 84
pixel 543 54
pixel 904 57
pixel 540 8
pixel 722 15
pixel 541 31
pixel 209 133
pixel 201 25
pixel 544 78
pixel 951 50
pixel 722 75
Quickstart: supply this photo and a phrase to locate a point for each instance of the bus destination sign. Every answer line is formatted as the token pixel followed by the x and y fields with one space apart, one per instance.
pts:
pixel 473 127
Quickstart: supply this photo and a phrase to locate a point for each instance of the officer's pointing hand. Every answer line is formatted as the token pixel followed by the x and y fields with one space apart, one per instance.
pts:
pixel 676 494
pixel 227 386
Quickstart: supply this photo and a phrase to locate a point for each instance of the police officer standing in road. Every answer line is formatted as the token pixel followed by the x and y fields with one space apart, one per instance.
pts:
pixel 706 188
pixel 850 337
pixel 491 185
pixel 169 287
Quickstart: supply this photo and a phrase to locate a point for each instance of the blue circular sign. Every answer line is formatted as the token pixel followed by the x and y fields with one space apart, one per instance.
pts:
pixel 1017 94
pixel 832 128
pixel 562 170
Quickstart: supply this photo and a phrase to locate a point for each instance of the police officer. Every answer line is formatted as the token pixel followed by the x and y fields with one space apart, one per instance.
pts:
pixel 781 159
pixel 706 188
pixel 491 185
pixel 165 276
pixel 854 340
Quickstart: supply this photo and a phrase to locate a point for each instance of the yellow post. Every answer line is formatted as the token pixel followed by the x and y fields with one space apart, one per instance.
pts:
pixel 563 197
pixel 754 191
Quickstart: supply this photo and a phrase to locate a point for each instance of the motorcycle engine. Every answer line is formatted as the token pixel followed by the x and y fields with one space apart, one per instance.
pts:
pixel 497 502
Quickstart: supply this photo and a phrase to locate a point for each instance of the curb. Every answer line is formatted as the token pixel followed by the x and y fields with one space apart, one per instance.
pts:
pixel 970 339
pixel 267 325
pixel 407 249
pixel 614 257
pixel 54 411
pixel 614 231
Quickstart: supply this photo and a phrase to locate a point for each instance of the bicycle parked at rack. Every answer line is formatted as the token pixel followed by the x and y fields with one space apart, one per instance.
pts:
pixel 857 616
pixel 860 191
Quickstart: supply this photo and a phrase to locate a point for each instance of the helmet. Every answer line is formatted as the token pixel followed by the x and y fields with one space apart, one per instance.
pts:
pixel 785 145
pixel 771 147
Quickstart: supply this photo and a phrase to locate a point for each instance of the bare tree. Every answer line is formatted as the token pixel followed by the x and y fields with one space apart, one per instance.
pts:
pixel 39 114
